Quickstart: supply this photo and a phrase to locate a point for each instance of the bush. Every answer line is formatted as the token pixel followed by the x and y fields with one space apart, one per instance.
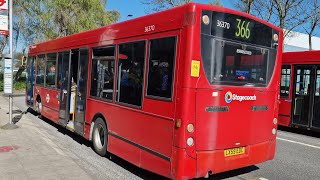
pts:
pixel 19 85
pixel 1 85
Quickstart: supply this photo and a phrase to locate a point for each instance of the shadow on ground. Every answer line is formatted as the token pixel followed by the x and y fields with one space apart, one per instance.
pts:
pixel 144 174
pixel 233 173
pixel 124 164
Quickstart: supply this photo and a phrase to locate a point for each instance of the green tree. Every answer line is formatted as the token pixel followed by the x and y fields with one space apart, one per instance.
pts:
pixel 41 20
pixel 216 3
pixel 244 5
pixel 286 14
pixel 313 22
pixel 3 43
pixel 159 5
pixel 103 2
pixel 46 19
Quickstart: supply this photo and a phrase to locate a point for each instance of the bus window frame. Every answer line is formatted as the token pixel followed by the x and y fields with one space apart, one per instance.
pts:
pixel 114 76
pixel 173 69
pixel 55 78
pixel 243 84
pixel 289 66
pixel 144 73
pixel 45 64
pixel 58 53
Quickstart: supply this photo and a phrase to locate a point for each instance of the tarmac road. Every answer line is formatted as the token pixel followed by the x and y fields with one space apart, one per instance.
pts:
pixel 297 158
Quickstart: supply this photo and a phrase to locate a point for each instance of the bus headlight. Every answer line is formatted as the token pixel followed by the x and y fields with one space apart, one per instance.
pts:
pixel 276 37
pixel 206 19
pixel 190 128
pixel 275 121
pixel 190 141
pixel 274 131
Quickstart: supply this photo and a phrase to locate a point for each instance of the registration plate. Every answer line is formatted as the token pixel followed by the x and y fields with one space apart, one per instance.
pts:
pixel 234 151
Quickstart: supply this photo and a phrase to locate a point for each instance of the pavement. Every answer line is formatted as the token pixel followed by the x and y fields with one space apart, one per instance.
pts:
pixel 29 153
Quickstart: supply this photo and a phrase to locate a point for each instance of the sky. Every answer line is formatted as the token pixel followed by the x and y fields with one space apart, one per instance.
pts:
pixel 137 9
pixel 134 8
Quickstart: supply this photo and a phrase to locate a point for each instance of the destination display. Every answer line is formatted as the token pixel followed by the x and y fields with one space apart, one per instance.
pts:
pixel 234 27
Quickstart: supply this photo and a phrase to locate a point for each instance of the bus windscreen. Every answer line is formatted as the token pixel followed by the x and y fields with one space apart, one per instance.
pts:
pixel 237 50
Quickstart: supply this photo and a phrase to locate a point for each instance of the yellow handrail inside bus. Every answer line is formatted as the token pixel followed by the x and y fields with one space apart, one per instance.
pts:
pixel 23 61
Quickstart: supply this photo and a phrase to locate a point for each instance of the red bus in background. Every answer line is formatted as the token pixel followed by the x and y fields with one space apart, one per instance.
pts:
pixel 300 90
pixel 183 93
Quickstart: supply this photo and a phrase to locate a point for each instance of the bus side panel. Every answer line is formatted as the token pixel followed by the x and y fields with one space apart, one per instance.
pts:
pixel 155 106
pixel 285 112
pixel 50 103
pixel 137 128
pixel 155 164
pixel 124 150
pixel 183 166
pixel 50 114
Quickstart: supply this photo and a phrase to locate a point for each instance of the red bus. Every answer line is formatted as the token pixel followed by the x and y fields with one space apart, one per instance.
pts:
pixel 300 88
pixel 183 93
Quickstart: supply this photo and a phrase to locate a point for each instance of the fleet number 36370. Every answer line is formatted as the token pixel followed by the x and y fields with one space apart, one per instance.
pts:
pixel 149 28
pixel 223 24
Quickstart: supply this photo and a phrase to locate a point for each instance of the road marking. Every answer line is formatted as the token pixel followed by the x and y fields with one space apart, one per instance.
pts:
pixel 296 142
pixel 263 178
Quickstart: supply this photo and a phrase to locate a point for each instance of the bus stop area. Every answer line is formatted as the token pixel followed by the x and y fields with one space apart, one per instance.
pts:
pixel 28 153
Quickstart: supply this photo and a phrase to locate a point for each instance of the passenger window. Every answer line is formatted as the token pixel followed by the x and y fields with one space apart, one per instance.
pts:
pixel 51 70
pixel 130 73
pixel 102 72
pixel 63 69
pixel 41 64
pixel 285 80
pixel 60 57
pixel 161 67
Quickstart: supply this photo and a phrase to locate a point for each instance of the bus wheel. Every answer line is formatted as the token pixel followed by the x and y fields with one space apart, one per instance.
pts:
pixel 100 137
pixel 38 105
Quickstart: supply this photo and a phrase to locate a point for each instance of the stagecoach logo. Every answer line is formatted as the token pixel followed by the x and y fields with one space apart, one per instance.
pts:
pixel 229 97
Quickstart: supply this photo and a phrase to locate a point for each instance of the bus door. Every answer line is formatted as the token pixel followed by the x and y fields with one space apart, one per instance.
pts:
pixel 315 122
pixel 30 81
pixel 81 91
pixel 302 95
pixel 63 84
pixel 73 90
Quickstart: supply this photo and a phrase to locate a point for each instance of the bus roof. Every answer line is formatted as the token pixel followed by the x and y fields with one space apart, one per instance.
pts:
pixel 301 57
pixel 171 19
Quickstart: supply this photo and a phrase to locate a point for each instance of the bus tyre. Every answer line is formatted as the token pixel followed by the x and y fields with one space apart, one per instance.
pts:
pixel 39 109
pixel 100 137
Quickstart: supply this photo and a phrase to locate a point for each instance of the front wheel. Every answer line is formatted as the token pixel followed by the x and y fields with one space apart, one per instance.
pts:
pixel 100 137
pixel 39 108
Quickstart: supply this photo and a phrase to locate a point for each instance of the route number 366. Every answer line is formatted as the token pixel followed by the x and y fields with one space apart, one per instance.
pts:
pixel 243 30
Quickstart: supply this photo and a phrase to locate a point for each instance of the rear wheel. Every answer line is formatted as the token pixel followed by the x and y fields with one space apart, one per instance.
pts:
pixel 100 137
